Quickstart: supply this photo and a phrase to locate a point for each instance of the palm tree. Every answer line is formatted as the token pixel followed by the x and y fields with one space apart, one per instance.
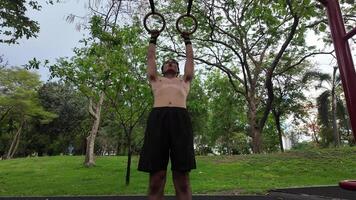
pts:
pixel 331 96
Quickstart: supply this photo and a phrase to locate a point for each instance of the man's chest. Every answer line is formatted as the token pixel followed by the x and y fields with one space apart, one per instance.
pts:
pixel 170 86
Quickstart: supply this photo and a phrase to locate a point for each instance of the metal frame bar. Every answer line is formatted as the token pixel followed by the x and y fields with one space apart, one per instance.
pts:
pixel 350 34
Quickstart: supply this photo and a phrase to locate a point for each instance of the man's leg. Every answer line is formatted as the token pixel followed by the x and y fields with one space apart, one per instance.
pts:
pixel 156 185
pixel 182 186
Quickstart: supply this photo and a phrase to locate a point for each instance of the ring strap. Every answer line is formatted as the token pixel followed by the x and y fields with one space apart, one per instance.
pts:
pixel 152 4
pixel 190 2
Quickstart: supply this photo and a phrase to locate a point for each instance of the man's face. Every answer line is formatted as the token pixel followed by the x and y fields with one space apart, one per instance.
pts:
pixel 170 66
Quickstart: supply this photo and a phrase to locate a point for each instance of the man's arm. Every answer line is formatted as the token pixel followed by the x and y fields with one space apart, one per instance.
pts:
pixel 151 58
pixel 189 63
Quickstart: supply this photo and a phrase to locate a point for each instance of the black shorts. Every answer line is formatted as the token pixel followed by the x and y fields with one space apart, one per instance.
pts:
pixel 168 134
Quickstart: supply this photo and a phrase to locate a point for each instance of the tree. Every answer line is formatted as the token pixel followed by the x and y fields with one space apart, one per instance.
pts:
pixel 86 71
pixel 197 105
pixel 14 23
pixel 249 43
pixel 128 91
pixel 226 120
pixel 312 126
pixel 55 137
pixel 289 97
pixel 89 69
pixel 330 95
pixel 19 103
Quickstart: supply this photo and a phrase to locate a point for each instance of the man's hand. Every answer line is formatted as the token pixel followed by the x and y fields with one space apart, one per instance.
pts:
pixel 154 36
pixel 186 38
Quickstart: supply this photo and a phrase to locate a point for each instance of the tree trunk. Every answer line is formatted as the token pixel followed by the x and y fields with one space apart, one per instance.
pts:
pixel 277 119
pixel 15 141
pixel 84 145
pixel 6 112
pixel 120 143
pixel 333 100
pixel 89 154
pixel 315 134
pixel 255 132
pixel 17 144
pixel 119 146
pixel 128 157
pixel 351 139
pixel 256 141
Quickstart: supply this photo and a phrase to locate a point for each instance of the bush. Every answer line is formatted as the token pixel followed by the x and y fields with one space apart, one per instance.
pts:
pixel 304 146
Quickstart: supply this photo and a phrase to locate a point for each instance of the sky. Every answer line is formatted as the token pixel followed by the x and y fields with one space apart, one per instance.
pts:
pixel 57 38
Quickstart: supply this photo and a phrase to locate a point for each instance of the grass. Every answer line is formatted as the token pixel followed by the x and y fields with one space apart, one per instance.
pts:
pixel 244 174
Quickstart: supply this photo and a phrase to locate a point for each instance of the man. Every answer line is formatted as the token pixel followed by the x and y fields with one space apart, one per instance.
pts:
pixel 169 130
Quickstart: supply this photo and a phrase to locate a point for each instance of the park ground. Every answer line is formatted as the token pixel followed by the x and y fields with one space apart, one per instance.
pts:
pixel 216 175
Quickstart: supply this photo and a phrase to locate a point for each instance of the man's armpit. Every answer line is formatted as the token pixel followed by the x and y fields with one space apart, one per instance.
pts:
pixel 188 78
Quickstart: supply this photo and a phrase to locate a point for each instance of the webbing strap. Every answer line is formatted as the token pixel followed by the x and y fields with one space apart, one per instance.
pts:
pixel 190 2
pixel 152 6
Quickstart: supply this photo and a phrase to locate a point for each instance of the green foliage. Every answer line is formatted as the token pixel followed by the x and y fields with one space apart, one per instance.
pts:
pixel 197 105
pixel 289 98
pixel 324 104
pixel 245 40
pixel 226 115
pixel 303 146
pixel 19 102
pixel 250 44
pixel 270 136
pixel 112 62
pixel 55 138
pixel 14 24
pixel 19 93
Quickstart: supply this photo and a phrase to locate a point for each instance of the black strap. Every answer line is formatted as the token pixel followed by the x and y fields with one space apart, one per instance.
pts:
pixel 152 6
pixel 190 2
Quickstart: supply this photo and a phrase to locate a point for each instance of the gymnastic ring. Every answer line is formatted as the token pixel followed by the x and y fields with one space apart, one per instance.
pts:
pixel 348 184
pixel 189 16
pixel 154 13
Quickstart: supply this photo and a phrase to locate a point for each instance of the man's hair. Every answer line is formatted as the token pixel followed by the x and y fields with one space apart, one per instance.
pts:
pixel 171 59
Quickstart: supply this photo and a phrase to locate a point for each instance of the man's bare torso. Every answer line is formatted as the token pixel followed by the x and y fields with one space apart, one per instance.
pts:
pixel 170 92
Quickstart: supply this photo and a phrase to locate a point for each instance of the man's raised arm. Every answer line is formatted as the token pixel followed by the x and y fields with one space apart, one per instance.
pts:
pixel 189 63
pixel 151 58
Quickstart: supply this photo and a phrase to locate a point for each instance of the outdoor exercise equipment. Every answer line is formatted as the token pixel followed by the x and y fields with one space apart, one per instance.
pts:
pixel 347 70
pixel 185 16
pixel 348 184
pixel 188 15
pixel 154 13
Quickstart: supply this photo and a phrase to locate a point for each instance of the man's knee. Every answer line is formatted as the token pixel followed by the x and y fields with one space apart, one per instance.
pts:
pixel 181 181
pixel 183 187
pixel 157 179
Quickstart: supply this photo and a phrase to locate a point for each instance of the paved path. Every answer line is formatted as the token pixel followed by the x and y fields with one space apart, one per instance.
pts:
pixel 308 193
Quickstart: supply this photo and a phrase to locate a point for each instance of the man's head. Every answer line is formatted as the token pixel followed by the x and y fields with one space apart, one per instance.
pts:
pixel 170 66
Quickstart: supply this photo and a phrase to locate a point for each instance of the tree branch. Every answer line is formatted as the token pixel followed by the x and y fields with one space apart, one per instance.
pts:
pixel 300 61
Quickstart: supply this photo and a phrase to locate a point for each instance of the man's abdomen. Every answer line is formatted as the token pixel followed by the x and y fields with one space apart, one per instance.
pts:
pixel 170 97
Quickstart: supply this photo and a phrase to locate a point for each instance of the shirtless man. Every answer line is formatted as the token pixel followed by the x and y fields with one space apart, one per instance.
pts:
pixel 169 130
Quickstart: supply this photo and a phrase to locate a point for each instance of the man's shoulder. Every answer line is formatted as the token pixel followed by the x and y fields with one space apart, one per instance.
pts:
pixel 157 78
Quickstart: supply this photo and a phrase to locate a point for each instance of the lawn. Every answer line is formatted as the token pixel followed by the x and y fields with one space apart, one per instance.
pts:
pixel 243 174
